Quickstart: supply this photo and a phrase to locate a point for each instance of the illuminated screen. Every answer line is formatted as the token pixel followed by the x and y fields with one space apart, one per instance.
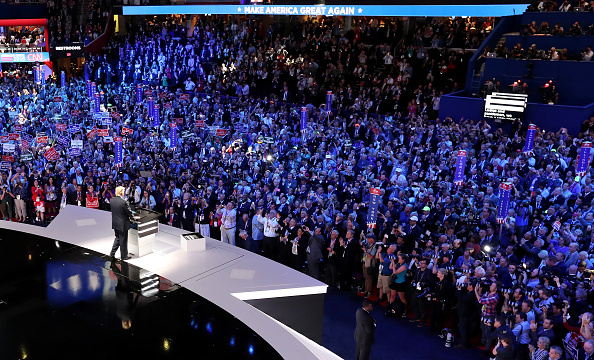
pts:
pixel 334 10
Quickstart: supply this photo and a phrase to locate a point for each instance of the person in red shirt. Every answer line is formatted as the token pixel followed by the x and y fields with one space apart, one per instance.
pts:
pixel 92 198
pixel 38 196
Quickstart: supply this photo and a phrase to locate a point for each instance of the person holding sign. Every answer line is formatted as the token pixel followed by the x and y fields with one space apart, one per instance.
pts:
pixel 92 198
pixel 38 196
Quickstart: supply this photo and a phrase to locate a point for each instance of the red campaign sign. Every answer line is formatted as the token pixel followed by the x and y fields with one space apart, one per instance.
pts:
pixel 57 99
pixel 4 139
pixel 25 144
pixel 117 138
pixel 103 132
pixel 52 154
pixel 184 96
pixel 74 113
pixel 462 153
pixel 115 115
pixel 91 134
pixel 506 186
pixel 14 136
pixel 148 92
pixel 374 191
pixel 7 158
pixel 200 123
pixel 163 95
pixel 61 127
pixel 178 120
pixel 126 131
pixel 167 105
pixel 221 132
pixel 18 127
pixel 42 140
pixel 173 125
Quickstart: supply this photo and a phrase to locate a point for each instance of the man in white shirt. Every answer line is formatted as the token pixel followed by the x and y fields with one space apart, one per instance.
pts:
pixel 270 240
pixel 189 85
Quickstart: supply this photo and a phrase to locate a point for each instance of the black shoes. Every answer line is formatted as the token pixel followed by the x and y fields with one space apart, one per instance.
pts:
pixel 127 257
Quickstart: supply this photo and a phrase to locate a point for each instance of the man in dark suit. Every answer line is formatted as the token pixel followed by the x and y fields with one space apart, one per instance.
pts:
pixel 364 330
pixel 314 253
pixel 120 223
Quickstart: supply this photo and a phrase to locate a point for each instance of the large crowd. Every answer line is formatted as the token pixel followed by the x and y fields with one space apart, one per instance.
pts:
pixel 246 170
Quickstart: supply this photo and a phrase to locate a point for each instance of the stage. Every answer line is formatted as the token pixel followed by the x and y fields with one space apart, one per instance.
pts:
pixel 279 304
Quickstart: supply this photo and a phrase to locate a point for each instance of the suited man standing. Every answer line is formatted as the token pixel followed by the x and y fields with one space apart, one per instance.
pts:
pixel 314 253
pixel 364 331
pixel 120 223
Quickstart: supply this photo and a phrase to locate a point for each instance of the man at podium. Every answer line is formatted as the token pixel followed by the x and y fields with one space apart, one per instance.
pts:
pixel 120 223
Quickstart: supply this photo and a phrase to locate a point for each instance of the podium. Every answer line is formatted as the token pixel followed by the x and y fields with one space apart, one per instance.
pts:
pixel 141 235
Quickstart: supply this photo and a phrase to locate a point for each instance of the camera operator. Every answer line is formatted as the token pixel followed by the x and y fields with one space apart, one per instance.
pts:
pixel 421 286
pixel 488 297
pixel 442 294
pixel 501 329
pixel 467 309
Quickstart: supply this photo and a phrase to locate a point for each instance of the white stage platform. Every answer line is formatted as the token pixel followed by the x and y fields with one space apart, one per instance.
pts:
pixel 223 274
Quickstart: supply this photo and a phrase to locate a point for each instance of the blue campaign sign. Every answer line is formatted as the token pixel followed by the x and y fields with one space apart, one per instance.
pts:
pixel 5 165
pixel 74 152
pixel 64 140
pixel 241 128
pixel 448 9
pixel 28 138
pixel 73 128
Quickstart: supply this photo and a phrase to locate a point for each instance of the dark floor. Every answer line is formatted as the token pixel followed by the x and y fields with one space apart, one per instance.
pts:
pixel 394 338
pixel 59 301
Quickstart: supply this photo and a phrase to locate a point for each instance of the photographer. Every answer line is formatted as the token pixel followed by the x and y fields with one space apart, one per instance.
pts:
pixel 442 294
pixel 466 311
pixel 385 271
pixel 487 296
pixel 369 249
pixel 398 283
pixel 421 286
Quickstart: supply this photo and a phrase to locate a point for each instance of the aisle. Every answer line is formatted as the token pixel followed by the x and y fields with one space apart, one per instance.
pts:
pixel 394 338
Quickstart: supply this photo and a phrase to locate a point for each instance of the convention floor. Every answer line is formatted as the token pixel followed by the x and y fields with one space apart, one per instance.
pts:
pixel 61 301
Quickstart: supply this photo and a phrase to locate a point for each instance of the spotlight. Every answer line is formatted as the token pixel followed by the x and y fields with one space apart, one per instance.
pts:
pixel 232 342
pixel 487 248
pixel 269 157
pixel 209 327
pixel 251 349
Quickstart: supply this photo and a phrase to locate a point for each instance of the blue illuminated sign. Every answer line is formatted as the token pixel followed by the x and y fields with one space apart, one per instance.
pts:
pixel 315 10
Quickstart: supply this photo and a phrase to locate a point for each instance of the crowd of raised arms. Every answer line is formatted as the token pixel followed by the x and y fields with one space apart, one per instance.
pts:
pixel 243 169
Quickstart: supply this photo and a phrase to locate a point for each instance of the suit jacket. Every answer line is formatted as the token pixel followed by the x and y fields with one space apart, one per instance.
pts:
pixel 364 332
pixel 316 242
pixel 120 214
pixel 175 221
pixel 73 196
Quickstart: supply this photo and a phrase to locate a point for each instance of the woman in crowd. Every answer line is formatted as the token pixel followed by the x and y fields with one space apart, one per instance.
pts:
pixel 38 196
